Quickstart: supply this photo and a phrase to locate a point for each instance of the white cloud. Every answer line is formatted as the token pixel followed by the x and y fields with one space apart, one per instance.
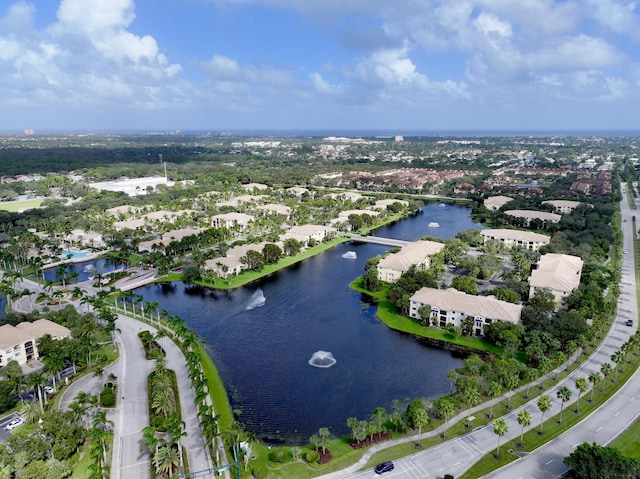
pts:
pixel 581 53
pixel 388 67
pixel 87 56
pixel 320 84
pixel 222 68
pixel 620 16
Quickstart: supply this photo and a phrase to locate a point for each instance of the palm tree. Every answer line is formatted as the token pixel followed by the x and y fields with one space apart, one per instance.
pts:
pixel 618 358
pixel 500 428
pixel 446 408
pixel 150 439
pixel 564 394
pixel 36 381
pixel 493 392
pixel 166 459
pixel 421 419
pixel 581 385
pixel 524 419
pixel 529 375
pixel 605 369
pixel 472 397
pixel 176 428
pixel 323 434
pixel 544 404
pixel 452 376
pixel 594 378
pixel 511 381
pixel 379 416
pixel 30 411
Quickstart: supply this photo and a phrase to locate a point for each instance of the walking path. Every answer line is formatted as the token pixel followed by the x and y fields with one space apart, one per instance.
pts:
pixel 459 454
pixel 131 414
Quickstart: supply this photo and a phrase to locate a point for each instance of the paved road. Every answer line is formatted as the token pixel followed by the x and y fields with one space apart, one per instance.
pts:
pixel 458 455
pixel 132 369
pixel 613 417
pixel 128 459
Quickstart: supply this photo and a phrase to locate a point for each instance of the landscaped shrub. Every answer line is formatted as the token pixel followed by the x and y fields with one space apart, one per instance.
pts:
pixel 260 471
pixel 312 456
pixel 107 397
pixel 281 455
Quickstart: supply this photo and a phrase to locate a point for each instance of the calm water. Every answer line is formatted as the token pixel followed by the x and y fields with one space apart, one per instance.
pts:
pixel 84 269
pixel 263 336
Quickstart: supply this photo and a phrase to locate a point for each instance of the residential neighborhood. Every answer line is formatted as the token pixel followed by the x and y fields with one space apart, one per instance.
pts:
pixel 473 247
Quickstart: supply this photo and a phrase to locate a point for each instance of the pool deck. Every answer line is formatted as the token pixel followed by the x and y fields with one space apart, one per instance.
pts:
pixel 75 259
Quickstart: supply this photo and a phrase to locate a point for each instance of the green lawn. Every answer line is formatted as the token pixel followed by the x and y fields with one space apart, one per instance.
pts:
pixel 628 443
pixel 15 206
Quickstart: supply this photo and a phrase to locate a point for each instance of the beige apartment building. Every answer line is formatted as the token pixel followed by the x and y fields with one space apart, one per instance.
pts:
pixel 530 215
pixel 563 206
pixel 452 307
pixel 19 343
pixel 516 238
pixel 418 253
pixel 559 273
pixel 494 203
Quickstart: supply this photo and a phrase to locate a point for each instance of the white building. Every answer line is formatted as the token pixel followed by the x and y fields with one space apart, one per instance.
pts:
pixel 19 343
pixel 452 307
pixel 494 203
pixel 559 273
pixel 516 238
pixel 563 206
pixel 530 215
pixel 418 253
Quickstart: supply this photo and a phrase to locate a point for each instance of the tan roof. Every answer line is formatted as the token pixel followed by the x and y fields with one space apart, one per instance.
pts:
pixel 484 306
pixel 497 200
pixel 42 327
pixel 516 235
pixel 11 336
pixel 239 251
pixel 532 214
pixel 236 200
pixel 131 224
pixel 560 272
pixel 254 186
pixel 346 214
pixel 280 209
pixel 563 203
pixel 347 195
pixel 230 262
pixel 308 230
pixel 178 234
pixel 122 209
pixel 240 218
pixel 413 253
pixel 385 203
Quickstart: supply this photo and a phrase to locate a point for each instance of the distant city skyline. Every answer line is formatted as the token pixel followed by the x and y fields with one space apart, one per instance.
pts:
pixel 301 65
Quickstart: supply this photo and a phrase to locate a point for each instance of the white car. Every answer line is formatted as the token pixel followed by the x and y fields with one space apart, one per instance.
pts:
pixel 14 424
pixel 48 389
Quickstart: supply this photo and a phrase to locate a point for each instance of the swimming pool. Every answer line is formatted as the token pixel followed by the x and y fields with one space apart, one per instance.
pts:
pixel 74 254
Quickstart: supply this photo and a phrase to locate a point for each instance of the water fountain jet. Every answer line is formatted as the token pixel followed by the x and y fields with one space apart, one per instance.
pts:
pixel 322 359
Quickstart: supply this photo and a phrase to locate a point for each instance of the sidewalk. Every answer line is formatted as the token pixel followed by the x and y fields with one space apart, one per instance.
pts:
pixel 461 416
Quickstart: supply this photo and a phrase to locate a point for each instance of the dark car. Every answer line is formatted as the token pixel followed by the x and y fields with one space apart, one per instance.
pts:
pixel 629 322
pixel 384 467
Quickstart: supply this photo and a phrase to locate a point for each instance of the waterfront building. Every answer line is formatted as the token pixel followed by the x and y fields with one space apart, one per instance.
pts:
pixel 451 306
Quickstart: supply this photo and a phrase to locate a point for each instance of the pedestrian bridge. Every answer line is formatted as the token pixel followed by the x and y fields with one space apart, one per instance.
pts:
pixel 395 243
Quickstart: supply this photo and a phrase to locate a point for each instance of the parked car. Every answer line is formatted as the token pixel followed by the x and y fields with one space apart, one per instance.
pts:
pixel 14 424
pixel 48 389
pixel 384 467
pixel 629 322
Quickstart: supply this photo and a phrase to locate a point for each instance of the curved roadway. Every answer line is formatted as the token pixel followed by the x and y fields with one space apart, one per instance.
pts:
pixel 458 455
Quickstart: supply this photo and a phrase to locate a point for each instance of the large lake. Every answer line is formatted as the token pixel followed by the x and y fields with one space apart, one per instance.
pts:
pixel 263 336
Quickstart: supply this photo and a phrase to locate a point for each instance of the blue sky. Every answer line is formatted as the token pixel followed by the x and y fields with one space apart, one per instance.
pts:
pixel 401 65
